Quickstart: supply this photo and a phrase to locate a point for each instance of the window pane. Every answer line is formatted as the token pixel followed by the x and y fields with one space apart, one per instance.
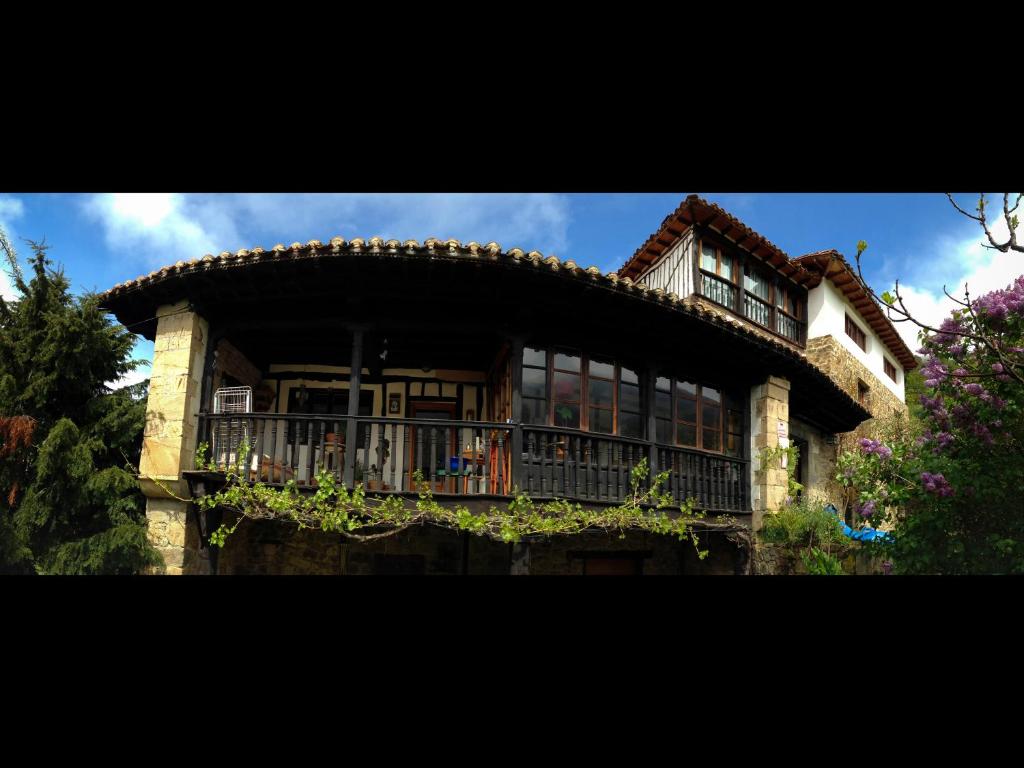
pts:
pixel 568 362
pixel 726 266
pixel 663 405
pixel 712 416
pixel 535 411
pixel 601 392
pixel 711 394
pixel 732 447
pixel 794 307
pixel 631 425
pixel 707 257
pixel 686 435
pixel 686 388
pixel 600 420
pixel 604 370
pixel 567 415
pixel 686 410
pixel 662 384
pixel 629 376
pixel 536 357
pixel 664 431
pixel 534 382
pixel 755 283
pixel 629 397
pixel 566 386
pixel 711 440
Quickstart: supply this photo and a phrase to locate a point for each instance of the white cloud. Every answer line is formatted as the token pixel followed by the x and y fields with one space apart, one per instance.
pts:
pixel 158 229
pixel 155 228
pixel 11 208
pixel 955 262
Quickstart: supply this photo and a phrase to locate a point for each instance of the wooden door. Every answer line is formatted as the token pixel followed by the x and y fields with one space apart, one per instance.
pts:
pixel 430 449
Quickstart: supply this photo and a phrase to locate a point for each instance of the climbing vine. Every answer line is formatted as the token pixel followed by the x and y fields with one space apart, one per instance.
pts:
pixel 774 456
pixel 334 508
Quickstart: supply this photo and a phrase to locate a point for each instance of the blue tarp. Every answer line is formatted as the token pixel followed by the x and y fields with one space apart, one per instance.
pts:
pixel 866 532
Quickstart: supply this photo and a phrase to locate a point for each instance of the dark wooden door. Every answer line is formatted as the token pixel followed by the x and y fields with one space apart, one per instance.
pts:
pixel 431 448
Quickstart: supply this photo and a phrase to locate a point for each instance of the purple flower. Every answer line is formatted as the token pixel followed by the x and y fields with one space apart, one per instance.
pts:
pixel 936 484
pixel 997 367
pixel 974 388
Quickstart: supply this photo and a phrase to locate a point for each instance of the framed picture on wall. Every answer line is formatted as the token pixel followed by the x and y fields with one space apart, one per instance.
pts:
pixel 394 404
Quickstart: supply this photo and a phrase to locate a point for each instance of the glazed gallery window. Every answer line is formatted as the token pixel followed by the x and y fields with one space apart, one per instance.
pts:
pixel 718 274
pixel 757 301
pixel 790 311
pixel 565 389
pixel 691 415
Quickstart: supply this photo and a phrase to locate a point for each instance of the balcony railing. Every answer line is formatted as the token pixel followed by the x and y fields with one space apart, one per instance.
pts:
pixel 755 308
pixel 463 458
pixel 717 289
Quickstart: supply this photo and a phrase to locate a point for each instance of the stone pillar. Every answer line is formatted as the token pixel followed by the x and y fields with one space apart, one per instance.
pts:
pixel 769 417
pixel 169 440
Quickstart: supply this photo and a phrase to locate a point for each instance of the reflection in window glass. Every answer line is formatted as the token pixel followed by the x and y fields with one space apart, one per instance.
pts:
pixel 534 382
pixel 567 415
pixel 601 393
pixel 708 260
pixel 537 357
pixel 567 362
pixel 686 434
pixel 603 370
pixel 601 420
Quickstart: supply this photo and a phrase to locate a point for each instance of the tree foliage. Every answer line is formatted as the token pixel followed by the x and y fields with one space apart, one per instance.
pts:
pixel 69 500
pixel 951 480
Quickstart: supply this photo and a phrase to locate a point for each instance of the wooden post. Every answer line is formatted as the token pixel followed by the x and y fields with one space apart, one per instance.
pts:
pixel 516 449
pixel 652 425
pixel 351 428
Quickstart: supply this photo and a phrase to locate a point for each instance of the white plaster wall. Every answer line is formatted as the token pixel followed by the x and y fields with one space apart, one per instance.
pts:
pixel 827 308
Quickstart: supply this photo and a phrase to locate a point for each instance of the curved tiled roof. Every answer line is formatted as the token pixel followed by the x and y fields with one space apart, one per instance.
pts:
pixel 452 249
pixel 695 209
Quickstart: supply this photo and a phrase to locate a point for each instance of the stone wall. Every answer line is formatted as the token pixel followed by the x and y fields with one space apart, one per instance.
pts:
pixel 280 548
pixel 843 368
pixel 769 409
pixel 169 438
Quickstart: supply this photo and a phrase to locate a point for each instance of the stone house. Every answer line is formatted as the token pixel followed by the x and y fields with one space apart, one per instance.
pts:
pixel 490 370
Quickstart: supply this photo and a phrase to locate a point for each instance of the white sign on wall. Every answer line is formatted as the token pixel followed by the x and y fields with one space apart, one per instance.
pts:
pixel 783 432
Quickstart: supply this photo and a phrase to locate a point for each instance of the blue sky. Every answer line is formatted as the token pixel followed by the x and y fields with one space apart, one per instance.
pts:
pixel 104 239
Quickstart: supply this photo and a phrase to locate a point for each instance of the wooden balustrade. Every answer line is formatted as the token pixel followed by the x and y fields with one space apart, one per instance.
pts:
pixel 464 458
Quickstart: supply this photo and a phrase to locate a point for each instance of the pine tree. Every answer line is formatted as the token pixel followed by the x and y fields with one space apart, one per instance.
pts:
pixel 70 502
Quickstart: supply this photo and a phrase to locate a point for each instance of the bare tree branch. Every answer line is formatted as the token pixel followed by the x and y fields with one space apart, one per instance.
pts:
pixel 1011 223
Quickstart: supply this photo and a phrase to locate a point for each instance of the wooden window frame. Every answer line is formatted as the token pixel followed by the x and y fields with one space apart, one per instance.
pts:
pixel 756 269
pixel 741 260
pixel 547 383
pixel 698 424
pixel 889 367
pixel 787 293
pixel 552 370
pixel 584 401
pixel 719 252
pixel 863 393
pixel 861 337
pixel 642 413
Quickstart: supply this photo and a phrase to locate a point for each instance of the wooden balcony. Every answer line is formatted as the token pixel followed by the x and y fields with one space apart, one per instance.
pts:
pixel 465 458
